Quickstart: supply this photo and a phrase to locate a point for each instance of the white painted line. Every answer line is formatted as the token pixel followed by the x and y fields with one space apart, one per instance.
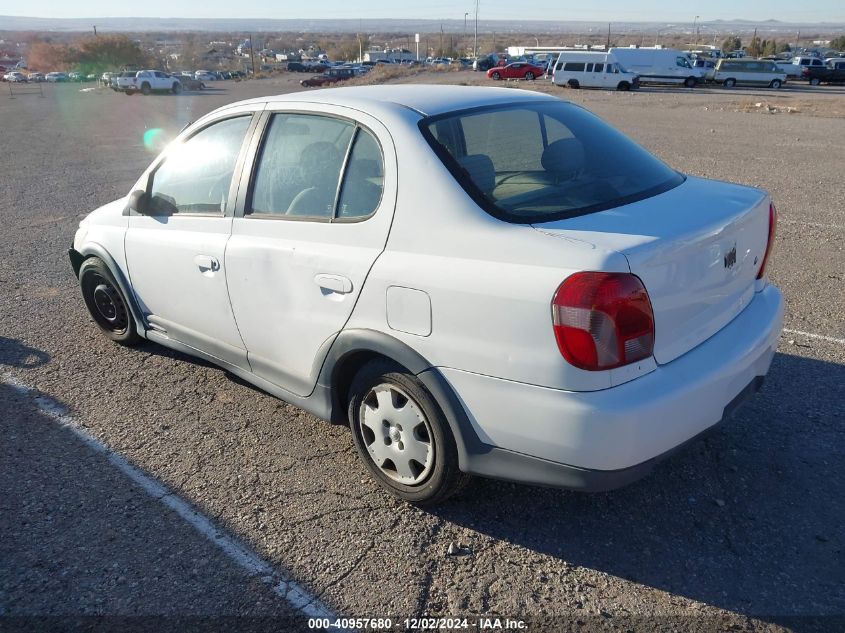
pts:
pixel 820 225
pixel 296 595
pixel 820 337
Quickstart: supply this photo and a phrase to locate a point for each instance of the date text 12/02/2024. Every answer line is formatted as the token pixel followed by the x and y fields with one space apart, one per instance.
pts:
pixel 418 624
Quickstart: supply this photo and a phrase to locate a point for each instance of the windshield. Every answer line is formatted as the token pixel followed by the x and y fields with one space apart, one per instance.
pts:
pixel 544 161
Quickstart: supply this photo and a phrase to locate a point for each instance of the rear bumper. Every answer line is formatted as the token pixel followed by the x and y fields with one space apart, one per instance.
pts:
pixel 605 439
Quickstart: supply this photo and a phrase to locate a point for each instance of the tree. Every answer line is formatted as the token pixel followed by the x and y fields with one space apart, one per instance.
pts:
pixel 731 43
pixel 838 43
pixel 770 48
pixel 754 48
pixel 784 47
pixel 90 54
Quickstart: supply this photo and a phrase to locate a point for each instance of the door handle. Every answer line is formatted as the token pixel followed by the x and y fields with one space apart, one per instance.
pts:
pixel 335 283
pixel 207 263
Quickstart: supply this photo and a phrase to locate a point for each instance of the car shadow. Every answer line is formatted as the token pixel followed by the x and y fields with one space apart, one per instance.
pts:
pixel 13 353
pixel 750 519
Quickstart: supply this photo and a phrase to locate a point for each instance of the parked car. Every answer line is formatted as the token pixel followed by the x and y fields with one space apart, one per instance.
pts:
pixel 750 72
pixel 587 69
pixel 805 61
pixel 204 75
pixel 147 82
pixel 15 77
pixel 659 65
pixel 488 62
pixel 517 70
pixel 55 77
pixel 331 76
pixel 189 83
pixel 831 73
pixel 35 77
pixel 296 67
pixel 502 309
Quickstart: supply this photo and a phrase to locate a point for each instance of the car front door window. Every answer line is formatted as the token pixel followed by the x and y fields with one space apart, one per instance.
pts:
pixel 196 175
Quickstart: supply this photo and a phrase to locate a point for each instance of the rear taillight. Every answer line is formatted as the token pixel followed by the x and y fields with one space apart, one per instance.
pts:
pixel 773 223
pixel 603 320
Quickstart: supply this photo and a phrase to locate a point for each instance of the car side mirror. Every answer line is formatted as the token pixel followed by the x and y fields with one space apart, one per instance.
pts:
pixel 139 202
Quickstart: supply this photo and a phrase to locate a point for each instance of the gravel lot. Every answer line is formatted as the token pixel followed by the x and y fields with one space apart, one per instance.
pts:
pixel 744 530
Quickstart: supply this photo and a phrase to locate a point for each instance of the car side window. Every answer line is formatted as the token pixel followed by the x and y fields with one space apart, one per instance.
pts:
pixel 599 68
pixel 363 180
pixel 298 169
pixel 196 175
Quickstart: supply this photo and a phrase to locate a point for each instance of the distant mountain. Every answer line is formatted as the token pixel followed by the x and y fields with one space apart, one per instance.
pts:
pixel 381 25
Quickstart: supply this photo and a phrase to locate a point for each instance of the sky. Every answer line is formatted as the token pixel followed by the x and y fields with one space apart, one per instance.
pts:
pixel 607 10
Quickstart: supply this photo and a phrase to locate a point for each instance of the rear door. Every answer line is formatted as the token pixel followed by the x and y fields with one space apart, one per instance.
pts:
pixel 312 222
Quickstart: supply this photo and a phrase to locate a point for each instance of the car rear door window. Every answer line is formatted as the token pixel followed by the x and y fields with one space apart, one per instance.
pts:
pixel 574 67
pixel 298 170
pixel 196 175
pixel 599 68
pixel 363 180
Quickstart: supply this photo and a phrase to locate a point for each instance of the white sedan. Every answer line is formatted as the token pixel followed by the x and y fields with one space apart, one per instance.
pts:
pixel 476 280
pixel 15 77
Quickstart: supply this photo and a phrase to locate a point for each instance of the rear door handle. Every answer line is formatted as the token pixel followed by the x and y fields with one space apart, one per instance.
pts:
pixel 207 263
pixel 335 283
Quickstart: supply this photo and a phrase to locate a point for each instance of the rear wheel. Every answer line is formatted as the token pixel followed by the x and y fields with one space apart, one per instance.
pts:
pixel 573 83
pixel 402 435
pixel 529 75
pixel 775 84
pixel 496 76
pixel 177 87
pixel 129 93
pixel 730 83
pixel 690 82
pixel 106 303
pixel 815 81
pixel 145 88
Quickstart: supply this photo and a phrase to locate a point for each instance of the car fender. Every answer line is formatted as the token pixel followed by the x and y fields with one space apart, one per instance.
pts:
pixel 356 341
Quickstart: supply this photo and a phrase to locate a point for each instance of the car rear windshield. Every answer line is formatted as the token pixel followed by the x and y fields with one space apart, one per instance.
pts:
pixel 543 161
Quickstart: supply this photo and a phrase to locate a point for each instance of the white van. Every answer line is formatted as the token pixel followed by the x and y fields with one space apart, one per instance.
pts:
pixel 580 69
pixel 660 65
pixel 752 72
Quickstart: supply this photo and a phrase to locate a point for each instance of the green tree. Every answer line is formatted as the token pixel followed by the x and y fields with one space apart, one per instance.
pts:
pixel 770 47
pixel 783 47
pixel 731 43
pixel 754 48
pixel 838 43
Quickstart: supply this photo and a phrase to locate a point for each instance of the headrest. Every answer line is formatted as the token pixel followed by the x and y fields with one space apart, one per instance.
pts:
pixel 481 170
pixel 563 157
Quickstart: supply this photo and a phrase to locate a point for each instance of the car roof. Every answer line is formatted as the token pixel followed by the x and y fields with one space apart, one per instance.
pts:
pixel 427 100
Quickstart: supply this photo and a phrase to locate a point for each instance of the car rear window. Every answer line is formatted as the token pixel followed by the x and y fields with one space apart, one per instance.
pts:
pixel 544 161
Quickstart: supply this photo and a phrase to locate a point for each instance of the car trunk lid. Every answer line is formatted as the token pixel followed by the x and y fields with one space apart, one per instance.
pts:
pixel 697 248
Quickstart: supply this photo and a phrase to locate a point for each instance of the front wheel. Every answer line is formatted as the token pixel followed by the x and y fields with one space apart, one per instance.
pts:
pixel 106 303
pixel 402 435
pixel 776 83
pixel 815 81
pixel 690 82
pixel 730 83
pixel 529 75
pixel 496 76
pixel 145 89
pixel 623 86
pixel 177 88
pixel 573 83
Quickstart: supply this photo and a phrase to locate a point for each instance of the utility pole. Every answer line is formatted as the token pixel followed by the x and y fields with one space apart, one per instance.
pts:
pixel 95 30
pixel 607 47
pixel 464 38
pixel 252 54
pixel 475 44
pixel 440 54
pixel 695 30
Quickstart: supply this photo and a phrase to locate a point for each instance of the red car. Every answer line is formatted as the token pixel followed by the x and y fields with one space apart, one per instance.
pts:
pixel 516 70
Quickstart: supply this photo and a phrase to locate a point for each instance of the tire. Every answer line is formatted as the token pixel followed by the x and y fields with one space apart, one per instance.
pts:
pixel 690 82
pixel 496 76
pixel 129 93
pixel 177 88
pixel 815 81
pixel 145 89
pixel 529 75
pixel 202 86
pixel 730 83
pixel 623 86
pixel 382 397
pixel 776 83
pixel 106 303
pixel 573 83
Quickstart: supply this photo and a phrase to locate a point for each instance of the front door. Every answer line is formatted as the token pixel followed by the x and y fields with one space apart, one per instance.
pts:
pixel 320 203
pixel 175 251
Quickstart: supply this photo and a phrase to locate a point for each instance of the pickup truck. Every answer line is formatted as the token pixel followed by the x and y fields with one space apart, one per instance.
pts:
pixel 146 82
pixel 830 73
